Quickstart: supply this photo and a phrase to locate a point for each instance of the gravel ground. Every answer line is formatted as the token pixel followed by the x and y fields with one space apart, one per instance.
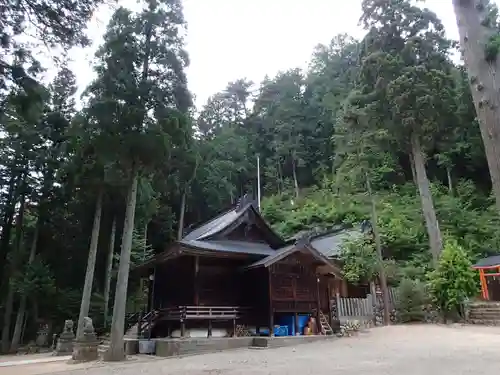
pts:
pixel 408 350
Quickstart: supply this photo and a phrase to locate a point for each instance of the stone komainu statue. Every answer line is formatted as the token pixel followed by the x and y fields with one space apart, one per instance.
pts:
pixel 68 326
pixel 88 327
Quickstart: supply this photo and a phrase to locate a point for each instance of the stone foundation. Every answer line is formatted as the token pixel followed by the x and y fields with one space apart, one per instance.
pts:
pixel 180 347
pixel 84 351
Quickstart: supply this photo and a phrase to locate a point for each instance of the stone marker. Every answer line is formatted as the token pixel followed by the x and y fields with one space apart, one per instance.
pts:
pixel 85 348
pixel 64 345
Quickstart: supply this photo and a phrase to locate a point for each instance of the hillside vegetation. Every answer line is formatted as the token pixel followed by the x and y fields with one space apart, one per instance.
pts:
pixel 83 191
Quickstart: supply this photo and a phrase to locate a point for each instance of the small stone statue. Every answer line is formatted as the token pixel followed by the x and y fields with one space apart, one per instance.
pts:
pixel 66 339
pixel 88 326
pixel 68 327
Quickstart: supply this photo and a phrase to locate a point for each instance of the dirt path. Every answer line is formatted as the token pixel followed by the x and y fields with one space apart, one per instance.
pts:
pixel 420 349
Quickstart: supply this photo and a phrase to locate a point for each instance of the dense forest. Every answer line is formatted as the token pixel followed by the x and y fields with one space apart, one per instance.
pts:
pixel 83 191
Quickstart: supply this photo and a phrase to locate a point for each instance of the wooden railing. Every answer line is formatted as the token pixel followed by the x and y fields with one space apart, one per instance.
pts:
pixel 202 312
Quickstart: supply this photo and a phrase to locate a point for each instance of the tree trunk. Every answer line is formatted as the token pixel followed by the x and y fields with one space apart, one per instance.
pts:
pixel 109 270
pixel 280 177
pixel 484 80
pixel 431 222
pixel 116 349
pixel 9 304
pixel 89 274
pixel 295 181
pixel 8 218
pixel 18 327
pixel 450 180
pixel 180 229
pixel 413 172
pixel 380 258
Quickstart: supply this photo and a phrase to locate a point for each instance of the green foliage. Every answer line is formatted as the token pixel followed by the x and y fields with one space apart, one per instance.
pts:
pixel 492 48
pixel 317 132
pixel 359 260
pixel 411 301
pixel 454 280
pixel 37 280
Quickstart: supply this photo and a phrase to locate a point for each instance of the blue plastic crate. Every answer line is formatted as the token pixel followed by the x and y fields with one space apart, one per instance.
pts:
pixel 280 331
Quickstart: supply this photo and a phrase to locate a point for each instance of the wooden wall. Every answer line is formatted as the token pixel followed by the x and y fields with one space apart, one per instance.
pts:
pixel 295 287
pixel 172 287
pixel 203 281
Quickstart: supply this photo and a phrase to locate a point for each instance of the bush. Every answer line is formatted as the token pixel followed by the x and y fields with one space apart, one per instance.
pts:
pixel 411 301
pixel 453 281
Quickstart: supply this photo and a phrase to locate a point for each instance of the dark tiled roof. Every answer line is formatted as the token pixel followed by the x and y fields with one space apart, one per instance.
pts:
pixel 290 249
pixel 488 262
pixel 330 244
pixel 230 246
pixel 274 256
pixel 218 223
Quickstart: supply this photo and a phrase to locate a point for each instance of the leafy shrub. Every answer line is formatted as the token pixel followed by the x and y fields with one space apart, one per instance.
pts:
pixel 411 301
pixel 454 280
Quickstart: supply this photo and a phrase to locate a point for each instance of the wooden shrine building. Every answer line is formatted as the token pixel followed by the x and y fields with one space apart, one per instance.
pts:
pixel 489 275
pixel 235 271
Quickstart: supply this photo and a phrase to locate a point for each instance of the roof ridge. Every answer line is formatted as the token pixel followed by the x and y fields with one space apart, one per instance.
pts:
pixel 332 230
pixel 209 221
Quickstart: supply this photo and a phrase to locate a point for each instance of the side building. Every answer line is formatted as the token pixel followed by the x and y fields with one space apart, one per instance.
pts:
pixel 234 275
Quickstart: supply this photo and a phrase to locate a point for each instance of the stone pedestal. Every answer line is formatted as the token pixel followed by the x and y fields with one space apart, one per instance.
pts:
pixel 85 350
pixel 66 339
pixel 86 347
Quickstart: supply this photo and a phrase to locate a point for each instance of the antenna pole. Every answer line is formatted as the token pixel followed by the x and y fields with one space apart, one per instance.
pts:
pixel 258 181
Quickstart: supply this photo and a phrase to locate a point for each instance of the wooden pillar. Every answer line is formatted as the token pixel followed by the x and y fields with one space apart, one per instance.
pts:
pixel 343 289
pixel 296 323
pixel 139 324
pixel 271 309
pixel 318 312
pixel 183 328
pixel 196 286
pixel 329 296
pixel 484 285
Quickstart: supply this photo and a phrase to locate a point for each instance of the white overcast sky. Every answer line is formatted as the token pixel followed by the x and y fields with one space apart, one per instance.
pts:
pixel 231 39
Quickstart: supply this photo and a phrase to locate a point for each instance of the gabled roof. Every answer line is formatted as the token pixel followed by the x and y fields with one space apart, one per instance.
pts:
pixel 289 250
pixel 489 262
pixel 330 243
pixel 230 246
pixel 212 228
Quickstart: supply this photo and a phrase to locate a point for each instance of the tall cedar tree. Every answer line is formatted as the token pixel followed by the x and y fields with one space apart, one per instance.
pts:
pixel 139 101
pixel 479 31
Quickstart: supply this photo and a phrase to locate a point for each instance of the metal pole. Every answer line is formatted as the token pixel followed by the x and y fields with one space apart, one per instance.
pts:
pixel 258 181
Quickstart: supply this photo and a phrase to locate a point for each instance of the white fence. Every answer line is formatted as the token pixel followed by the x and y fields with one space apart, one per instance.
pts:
pixel 361 308
pixel 355 308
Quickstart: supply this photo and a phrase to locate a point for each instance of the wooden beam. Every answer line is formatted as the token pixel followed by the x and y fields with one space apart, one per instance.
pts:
pixel 196 286
pixel 271 310
pixel 329 294
pixel 484 285
pixel 318 312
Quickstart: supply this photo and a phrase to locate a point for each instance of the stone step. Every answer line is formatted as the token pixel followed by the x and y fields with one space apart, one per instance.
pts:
pixel 485 309
pixel 487 305
pixel 486 312
pixel 485 322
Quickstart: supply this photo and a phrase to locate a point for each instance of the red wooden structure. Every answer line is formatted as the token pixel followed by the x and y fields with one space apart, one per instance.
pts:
pixel 489 272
